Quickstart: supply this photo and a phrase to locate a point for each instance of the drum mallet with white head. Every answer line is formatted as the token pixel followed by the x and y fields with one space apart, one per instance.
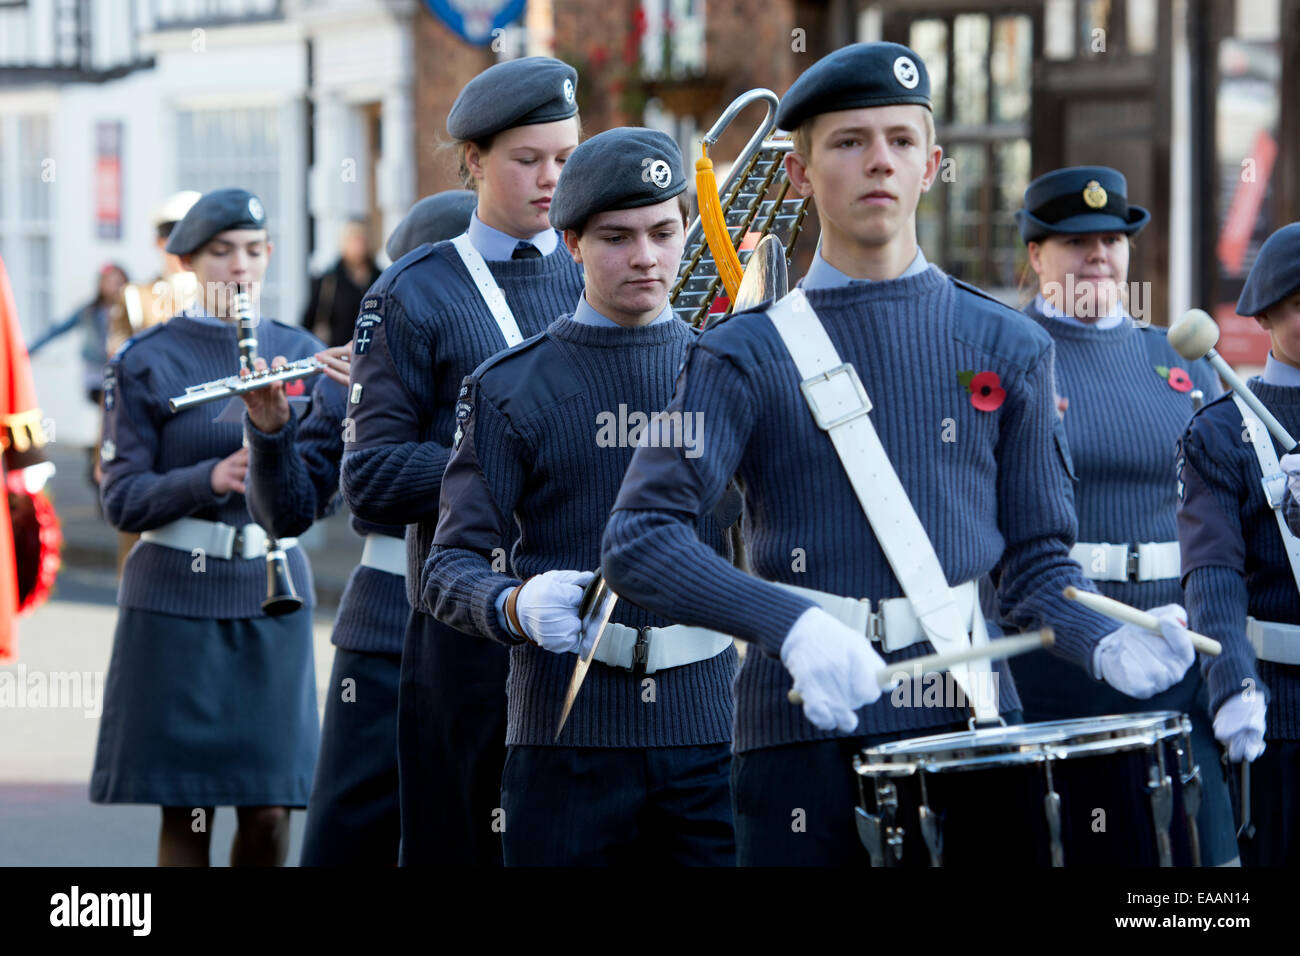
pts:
pixel 1194 336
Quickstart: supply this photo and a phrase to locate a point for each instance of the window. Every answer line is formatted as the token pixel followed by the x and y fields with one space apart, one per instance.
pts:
pixel 979 67
pixel 241 148
pixel 673 42
pixel 27 180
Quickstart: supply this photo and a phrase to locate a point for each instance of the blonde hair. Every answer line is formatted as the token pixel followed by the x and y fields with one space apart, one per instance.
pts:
pixel 802 135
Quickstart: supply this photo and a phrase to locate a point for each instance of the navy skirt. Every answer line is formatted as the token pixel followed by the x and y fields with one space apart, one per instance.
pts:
pixel 202 712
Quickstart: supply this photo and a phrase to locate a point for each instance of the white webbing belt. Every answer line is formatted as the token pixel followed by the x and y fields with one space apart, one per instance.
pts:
pixel 214 538
pixel 840 404
pixel 1151 561
pixel 384 553
pixel 1274 642
pixel 893 624
pixel 492 295
pixel 663 648
pixel 1282 647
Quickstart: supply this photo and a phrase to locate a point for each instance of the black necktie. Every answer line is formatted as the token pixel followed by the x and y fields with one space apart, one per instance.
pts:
pixel 526 250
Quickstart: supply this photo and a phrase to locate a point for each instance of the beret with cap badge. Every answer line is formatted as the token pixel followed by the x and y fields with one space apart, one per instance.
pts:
pixel 862 74
pixel 213 213
pixel 524 92
pixel 1275 274
pixel 622 168
pixel 443 215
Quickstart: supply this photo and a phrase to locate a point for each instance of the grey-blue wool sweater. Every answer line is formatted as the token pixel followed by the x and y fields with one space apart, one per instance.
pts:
pixel 423 327
pixel 157 466
pixel 1233 560
pixel 293 480
pixel 548 429
pixel 992 488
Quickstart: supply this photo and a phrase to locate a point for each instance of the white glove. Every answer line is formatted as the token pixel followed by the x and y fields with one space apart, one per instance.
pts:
pixel 1291 466
pixel 1240 724
pixel 547 607
pixel 1141 664
pixel 834 669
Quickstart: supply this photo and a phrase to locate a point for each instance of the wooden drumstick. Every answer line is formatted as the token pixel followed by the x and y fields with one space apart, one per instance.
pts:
pixel 1127 614
pixel 930 663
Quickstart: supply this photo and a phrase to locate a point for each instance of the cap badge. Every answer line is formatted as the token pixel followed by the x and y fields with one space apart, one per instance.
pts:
pixel 906 73
pixel 255 208
pixel 568 90
pixel 1094 195
pixel 656 171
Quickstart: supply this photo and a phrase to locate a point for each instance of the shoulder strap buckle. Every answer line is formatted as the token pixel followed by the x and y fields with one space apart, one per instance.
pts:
pixel 836 396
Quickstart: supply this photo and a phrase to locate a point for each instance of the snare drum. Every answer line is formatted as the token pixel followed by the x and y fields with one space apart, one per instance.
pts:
pixel 1121 790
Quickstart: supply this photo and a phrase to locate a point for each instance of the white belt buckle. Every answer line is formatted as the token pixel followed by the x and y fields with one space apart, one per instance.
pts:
pixel 225 538
pixel 1275 489
pixel 835 393
pixel 250 541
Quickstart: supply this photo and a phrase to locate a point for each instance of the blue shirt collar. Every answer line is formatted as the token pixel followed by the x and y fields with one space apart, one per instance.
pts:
pixel 1279 373
pixel 496 246
pixel 823 275
pixel 1117 315
pixel 584 314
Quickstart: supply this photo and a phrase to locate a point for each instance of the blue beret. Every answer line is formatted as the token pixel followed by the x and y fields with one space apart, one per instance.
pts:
pixel 215 212
pixel 1275 274
pixel 535 89
pixel 864 74
pixel 622 168
pixel 1076 200
pixel 443 215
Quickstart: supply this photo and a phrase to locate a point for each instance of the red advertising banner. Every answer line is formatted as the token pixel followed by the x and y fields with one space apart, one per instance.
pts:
pixel 108 180
pixel 1243 212
pixel 1241 341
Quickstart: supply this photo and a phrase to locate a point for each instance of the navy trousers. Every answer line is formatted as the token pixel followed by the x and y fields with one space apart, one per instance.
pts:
pixel 352 818
pixel 1274 806
pixel 451 731
pixel 607 806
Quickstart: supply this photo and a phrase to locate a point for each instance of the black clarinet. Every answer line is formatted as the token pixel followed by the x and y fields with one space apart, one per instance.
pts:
pixel 281 596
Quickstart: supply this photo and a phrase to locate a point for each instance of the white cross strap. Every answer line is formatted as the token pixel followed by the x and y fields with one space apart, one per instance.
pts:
pixel 839 404
pixel 492 295
pixel 1273 480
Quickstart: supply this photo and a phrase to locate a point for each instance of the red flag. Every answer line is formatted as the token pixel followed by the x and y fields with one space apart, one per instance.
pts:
pixel 17 406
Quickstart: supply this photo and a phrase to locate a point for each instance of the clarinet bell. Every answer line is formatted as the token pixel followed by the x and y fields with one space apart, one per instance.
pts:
pixel 281 598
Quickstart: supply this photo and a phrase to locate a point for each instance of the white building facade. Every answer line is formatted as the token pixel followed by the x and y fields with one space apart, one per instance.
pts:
pixel 107 107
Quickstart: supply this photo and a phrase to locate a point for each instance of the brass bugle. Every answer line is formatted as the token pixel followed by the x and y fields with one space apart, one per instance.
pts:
pixel 233 385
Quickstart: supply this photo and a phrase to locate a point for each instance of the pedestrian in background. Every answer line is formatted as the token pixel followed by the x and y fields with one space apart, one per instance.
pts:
pixel 336 294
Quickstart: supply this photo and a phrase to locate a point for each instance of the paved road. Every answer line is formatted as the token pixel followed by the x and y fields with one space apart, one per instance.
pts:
pixel 46 751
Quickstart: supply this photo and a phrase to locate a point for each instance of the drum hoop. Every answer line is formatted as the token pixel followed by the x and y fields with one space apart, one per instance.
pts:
pixel 1127 733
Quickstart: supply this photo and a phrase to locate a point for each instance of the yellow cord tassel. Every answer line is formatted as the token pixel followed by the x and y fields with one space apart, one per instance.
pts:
pixel 715 225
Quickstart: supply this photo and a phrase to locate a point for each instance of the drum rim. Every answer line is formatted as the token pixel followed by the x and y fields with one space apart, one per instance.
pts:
pixel 1056 740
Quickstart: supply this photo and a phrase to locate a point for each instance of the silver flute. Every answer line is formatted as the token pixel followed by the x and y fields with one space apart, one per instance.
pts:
pixel 247 379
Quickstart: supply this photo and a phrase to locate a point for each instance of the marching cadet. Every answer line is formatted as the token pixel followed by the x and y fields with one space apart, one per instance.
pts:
pixel 432 317
pixel 173 291
pixel 1130 397
pixel 293 480
pixel 1241 566
pixel 641 774
pixel 431 219
pixel 967 473
pixel 150 303
pixel 209 702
